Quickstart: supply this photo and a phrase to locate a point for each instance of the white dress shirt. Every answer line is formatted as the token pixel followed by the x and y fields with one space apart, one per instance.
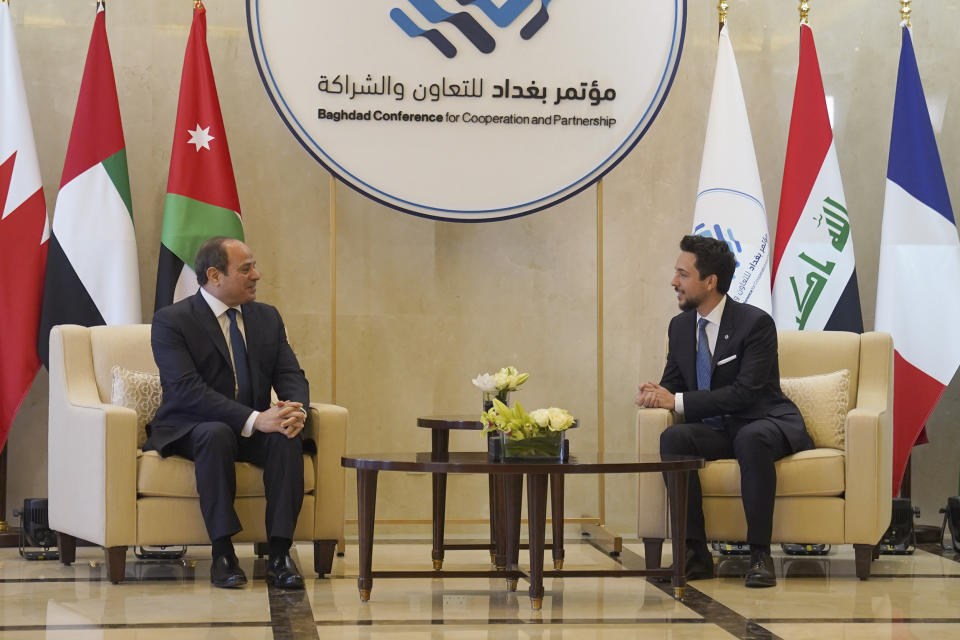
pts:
pixel 712 330
pixel 219 309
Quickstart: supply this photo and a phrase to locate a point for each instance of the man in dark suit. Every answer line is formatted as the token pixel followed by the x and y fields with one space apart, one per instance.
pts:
pixel 722 378
pixel 219 353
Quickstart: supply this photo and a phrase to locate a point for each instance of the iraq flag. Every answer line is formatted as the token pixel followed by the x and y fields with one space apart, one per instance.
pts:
pixel 814 275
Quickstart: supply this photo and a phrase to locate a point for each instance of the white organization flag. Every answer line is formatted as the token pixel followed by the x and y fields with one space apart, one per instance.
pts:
pixel 730 200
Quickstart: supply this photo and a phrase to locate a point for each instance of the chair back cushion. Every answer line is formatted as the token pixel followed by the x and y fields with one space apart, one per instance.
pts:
pixel 808 353
pixel 823 400
pixel 124 345
pixel 139 391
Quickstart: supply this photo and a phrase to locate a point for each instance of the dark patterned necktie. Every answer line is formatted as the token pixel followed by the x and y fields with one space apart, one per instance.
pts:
pixel 241 367
pixel 703 357
pixel 703 370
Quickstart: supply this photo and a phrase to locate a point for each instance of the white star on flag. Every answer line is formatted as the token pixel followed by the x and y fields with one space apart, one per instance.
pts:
pixel 200 137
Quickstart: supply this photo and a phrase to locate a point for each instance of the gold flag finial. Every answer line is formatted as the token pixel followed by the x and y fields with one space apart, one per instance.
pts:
pixel 722 8
pixel 905 12
pixel 804 12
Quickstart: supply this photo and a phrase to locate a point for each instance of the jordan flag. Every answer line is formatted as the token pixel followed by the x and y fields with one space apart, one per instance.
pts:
pixel 202 197
pixel 919 277
pixel 730 198
pixel 23 234
pixel 92 273
pixel 814 276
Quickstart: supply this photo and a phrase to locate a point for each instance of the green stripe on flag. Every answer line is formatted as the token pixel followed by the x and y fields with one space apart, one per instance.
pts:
pixel 187 223
pixel 116 167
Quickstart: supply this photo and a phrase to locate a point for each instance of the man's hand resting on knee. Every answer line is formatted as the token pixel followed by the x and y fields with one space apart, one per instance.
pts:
pixel 286 417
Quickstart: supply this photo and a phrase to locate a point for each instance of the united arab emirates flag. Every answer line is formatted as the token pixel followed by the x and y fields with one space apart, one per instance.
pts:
pixel 202 197
pixel 92 273
pixel 814 275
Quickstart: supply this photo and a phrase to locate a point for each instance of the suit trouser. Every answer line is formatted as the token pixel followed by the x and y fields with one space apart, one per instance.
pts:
pixel 214 447
pixel 756 446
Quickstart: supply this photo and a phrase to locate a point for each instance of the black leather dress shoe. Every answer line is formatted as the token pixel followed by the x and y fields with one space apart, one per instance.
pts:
pixel 225 572
pixel 761 572
pixel 282 572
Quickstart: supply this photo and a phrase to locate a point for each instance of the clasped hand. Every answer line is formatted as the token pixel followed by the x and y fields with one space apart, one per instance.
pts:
pixel 652 396
pixel 285 417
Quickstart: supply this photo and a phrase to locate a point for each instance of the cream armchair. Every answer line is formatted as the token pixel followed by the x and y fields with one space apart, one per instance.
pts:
pixel 824 496
pixel 104 489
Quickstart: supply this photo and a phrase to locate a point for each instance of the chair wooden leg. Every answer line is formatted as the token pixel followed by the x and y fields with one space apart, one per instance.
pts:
pixel 323 556
pixel 864 556
pixel 67 546
pixel 652 552
pixel 262 549
pixel 116 563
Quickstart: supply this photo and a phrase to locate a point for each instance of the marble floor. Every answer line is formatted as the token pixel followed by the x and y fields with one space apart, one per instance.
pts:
pixel 816 598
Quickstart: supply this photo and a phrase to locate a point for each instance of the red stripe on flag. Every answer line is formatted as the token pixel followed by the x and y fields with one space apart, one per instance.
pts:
pixel 807 145
pixel 203 173
pixel 6 176
pixel 23 257
pixel 915 394
pixel 97 133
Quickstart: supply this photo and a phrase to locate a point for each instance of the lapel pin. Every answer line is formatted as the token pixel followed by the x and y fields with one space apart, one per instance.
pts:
pixel 726 336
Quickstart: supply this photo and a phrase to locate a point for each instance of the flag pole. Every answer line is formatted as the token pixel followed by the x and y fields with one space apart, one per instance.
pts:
pixel 804 12
pixel 722 6
pixel 905 12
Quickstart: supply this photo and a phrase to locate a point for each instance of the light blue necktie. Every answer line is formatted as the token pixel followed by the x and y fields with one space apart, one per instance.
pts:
pixel 703 357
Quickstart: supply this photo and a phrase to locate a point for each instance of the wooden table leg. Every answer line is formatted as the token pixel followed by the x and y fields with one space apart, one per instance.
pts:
pixel 367 506
pixel 536 525
pixel 677 496
pixel 513 497
pixel 500 501
pixel 440 446
pixel 556 514
pixel 492 493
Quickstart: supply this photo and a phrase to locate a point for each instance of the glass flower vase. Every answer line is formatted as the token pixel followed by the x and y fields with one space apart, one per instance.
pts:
pixel 548 447
pixel 502 396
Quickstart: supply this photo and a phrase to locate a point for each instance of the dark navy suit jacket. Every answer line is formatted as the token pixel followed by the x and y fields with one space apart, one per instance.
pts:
pixel 197 375
pixel 746 386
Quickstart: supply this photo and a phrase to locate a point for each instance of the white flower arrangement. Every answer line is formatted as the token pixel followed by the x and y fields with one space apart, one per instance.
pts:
pixel 500 383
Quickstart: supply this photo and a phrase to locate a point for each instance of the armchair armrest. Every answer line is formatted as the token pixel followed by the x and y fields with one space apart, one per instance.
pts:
pixel 92 449
pixel 868 475
pixel 652 515
pixel 327 426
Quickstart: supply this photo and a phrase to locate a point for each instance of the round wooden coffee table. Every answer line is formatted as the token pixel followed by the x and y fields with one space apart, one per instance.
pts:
pixel 677 469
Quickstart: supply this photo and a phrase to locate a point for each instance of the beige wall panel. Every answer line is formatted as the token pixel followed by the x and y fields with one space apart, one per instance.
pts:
pixel 423 306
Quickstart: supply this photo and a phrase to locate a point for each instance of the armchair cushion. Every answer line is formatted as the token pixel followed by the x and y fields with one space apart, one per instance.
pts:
pixel 138 391
pixel 174 477
pixel 823 401
pixel 816 472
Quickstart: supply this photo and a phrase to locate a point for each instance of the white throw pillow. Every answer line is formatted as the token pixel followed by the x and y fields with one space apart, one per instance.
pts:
pixel 138 391
pixel 822 400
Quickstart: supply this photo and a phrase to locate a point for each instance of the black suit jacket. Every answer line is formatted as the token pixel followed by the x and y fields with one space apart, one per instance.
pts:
pixel 197 375
pixel 746 387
